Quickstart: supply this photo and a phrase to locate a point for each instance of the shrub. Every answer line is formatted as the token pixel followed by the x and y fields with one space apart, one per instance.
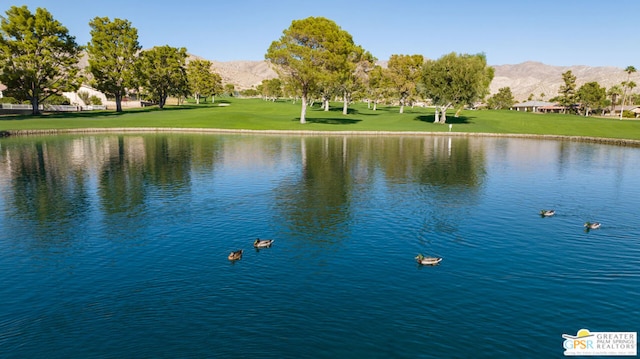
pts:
pixel 84 96
pixel 628 114
pixel 57 100
pixel 250 93
pixel 8 100
pixel 95 100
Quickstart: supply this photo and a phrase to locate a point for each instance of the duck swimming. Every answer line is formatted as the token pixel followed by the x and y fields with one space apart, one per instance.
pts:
pixel 262 243
pixel 547 212
pixel 235 255
pixel 427 261
pixel 592 225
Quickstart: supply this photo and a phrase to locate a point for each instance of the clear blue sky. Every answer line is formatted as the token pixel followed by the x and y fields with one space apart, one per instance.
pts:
pixel 559 32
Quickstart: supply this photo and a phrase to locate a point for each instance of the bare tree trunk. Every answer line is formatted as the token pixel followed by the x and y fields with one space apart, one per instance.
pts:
pixel 624 95
pixel 443 113
pixel 118 103
pixel 197 99
pixel 303 111
pixel 35 105
pixel 375 105
pixel 401 105
pixel 345 105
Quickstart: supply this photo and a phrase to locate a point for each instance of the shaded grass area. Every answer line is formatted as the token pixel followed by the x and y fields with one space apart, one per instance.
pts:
pixel 256 114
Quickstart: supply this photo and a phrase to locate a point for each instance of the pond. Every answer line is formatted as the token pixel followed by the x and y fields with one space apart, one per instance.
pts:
pixel 115 246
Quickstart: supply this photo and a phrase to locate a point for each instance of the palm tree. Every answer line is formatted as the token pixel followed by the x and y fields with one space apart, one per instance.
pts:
pixel 614 92
pixel 631 85
pixel 626 84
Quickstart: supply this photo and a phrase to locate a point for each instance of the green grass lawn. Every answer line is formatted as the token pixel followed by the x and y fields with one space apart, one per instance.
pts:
pixel 256 114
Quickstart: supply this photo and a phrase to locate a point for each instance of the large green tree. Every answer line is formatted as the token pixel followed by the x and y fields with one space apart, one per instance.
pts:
pixel 307 53
pixel 38 57
pixel 591 96
pixel 353 76
pixel 402 76
pixel 375 86
pixel 113 52
pixel 271 89
pixel 202 80
pixel 567 92
pixel 162 72
pixel 456 80
pixel 501 100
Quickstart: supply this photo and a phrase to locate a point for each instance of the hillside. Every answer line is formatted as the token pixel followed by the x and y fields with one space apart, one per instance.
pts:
pixel 244 74
pixel 537 78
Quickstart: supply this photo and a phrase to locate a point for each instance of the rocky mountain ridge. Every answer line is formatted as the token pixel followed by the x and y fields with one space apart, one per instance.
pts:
pixel 544 81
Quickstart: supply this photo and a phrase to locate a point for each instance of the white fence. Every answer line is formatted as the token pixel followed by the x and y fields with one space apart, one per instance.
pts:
pixel 12 106
pixel 62 108
pixel 94 107
pixel 52 108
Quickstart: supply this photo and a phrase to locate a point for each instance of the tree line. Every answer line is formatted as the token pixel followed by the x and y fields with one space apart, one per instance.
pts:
pixel 315 59
pixel 39 60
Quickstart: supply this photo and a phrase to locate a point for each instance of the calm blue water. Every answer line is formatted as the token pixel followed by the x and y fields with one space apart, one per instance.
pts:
pixel 116 246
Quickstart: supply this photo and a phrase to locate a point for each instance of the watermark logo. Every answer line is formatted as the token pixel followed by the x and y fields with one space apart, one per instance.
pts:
pixel 601 343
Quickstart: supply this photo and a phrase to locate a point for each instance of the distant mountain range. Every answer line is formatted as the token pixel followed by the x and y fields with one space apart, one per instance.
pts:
pixel 537 78
pixel 543 81
pixel 244 74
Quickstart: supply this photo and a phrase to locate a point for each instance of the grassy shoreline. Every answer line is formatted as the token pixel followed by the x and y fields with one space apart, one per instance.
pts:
pixel 600 140
pixel 255 116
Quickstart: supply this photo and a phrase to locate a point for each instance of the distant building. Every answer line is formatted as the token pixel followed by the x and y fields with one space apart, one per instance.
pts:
pixel 552 108
pixel 535 106
pixel 632 108
pixel 76 100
